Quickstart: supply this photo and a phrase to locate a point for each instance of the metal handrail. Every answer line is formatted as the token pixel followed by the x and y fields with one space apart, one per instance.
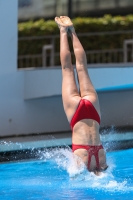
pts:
pixel 94 56
pixel 125 49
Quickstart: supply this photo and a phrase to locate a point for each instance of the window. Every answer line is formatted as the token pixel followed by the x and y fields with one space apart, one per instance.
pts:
pixel 24 3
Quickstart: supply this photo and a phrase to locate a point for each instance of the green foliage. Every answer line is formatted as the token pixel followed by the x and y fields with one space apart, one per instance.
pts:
pixel 37 28
pixel 106 23
pixel 82 25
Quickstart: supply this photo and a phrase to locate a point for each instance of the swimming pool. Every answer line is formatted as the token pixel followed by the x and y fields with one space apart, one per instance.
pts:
pixel 54 176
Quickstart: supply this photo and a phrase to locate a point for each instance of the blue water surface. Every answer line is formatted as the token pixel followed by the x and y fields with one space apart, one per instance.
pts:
pixel 53 178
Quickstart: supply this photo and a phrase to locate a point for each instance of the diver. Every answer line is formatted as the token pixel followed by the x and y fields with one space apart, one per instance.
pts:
pixel 81 107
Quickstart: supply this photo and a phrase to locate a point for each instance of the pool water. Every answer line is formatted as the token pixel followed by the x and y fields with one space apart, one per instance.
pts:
pixel 55 176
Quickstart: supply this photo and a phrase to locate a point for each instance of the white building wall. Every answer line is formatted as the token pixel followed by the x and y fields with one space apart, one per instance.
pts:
pixel 49 80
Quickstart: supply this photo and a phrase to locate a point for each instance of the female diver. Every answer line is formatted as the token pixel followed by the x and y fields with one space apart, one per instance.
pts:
pixel 81 108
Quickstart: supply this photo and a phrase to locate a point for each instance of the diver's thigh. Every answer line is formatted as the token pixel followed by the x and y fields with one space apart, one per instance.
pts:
pixel 70 105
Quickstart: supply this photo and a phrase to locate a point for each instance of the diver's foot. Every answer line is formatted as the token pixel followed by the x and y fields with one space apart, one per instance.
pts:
pixel 66 21
pixel 61 25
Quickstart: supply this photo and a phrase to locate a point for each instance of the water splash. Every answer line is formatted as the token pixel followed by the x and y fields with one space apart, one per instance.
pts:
pixel 79 176
pixel 65 159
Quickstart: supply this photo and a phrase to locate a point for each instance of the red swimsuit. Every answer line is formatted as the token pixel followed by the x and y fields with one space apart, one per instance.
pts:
pixel 86 110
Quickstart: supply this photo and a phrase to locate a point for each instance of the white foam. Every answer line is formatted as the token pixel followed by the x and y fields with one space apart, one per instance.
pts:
pixel 106 181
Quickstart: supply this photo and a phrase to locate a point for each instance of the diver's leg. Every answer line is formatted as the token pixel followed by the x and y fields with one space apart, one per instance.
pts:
pixel 87 90
pixel 70 93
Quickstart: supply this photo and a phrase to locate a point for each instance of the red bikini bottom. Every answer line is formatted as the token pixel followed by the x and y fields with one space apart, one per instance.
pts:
pixel 92 151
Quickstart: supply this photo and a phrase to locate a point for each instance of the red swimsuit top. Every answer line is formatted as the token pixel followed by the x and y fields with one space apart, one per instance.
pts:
pixel 85 110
